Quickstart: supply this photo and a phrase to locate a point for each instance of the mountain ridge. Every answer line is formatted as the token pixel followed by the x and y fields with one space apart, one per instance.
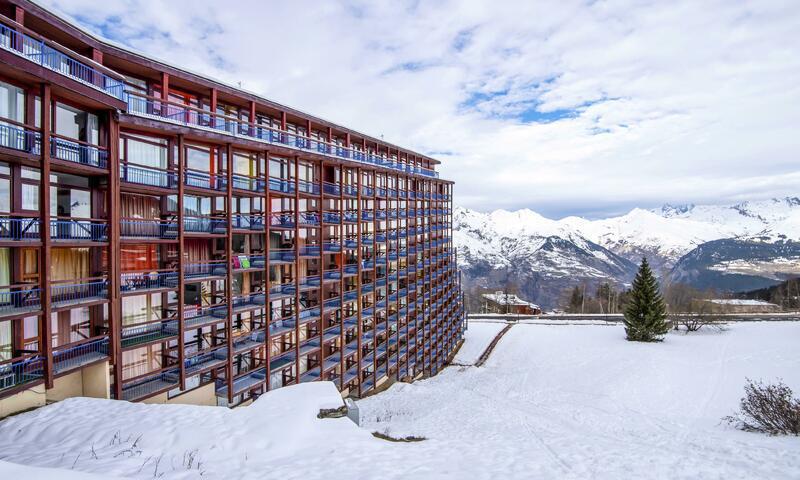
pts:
pixel 502 246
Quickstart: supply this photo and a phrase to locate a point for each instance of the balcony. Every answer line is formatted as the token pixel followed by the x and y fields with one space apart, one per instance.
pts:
pixel 78 230
pixel 251 262
pixel 196 316
pixel 143 334
pixel 20 137
pixel 250 184
pixel 148 176
pixel 242 383
pixel 211 225
pixel 308 187
pixel 78 152
pixel 155 229
pixel 248 222
pixel 75 356
pixel 19 299
pixel 51 56
pixel 249 302
pixel 157 108
pixel 150 384
pixel 281 185
pixel 281 256
pixel 200 271
pixel 205 180
pixel 19 229
pixel 144 281
pixel 21 371
pixel 205 361
pixel 66 294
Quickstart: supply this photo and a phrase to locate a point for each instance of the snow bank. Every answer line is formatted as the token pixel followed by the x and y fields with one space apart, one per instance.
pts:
pixel 180 441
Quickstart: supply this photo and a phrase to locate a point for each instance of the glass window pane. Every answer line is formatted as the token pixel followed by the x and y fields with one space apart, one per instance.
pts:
pixel 77 124
pixel 5 195
pixel 30 197
pixel 12 102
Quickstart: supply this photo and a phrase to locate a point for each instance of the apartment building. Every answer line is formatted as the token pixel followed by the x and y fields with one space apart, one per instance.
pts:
pixel 165 237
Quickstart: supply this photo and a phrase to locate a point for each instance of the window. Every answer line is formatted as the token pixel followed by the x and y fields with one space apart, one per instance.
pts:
pixel 199 158
pixel 245 163
pixel 12 102
pixel 5 188
pixel 77 124
pixel 143 150
pixel 30 197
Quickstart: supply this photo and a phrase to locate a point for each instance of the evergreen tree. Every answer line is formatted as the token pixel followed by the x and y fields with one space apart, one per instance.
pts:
pixel 575 301
pixel 646 313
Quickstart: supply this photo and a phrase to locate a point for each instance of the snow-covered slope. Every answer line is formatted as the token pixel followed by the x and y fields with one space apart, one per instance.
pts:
pixel 490 244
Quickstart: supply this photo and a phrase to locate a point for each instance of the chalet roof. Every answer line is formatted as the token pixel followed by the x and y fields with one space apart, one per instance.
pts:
pixel 502 298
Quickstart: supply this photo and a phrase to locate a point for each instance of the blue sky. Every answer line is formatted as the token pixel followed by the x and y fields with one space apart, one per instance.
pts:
pixel 566 108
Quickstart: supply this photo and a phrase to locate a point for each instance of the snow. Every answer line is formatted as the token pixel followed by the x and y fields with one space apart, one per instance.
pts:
pixel 741 301
pixel 477 337
pixel 551 402
pixel 581 402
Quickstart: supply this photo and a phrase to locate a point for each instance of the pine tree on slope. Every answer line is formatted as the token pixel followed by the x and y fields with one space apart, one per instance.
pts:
pixel 646 314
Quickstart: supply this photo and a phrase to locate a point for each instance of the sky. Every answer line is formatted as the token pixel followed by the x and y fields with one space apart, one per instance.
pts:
pixel 567 108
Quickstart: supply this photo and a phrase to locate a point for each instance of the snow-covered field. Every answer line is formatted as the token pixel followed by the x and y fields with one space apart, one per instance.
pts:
pixel 552 402
pixel 581 402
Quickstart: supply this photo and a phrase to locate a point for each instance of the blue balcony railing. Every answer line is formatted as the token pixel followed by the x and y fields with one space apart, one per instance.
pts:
pixel 210 181
pixel 305 186
pixel 71 293
pixel 40 53
pixel 176 113
pixel 151 332
pixel 19 228
pixel 243 182
pixel 74 356
pixel 248 222
pixel 205 269
pixel 282 255
pixel 78 152
pixel 216 226
pixel 150 384
pixel 20 138
pixel 141 228
pixel 21 371
pixel 68 229
pixel 281 185
pixel 140 281
pixel 329 188
pixel 148 176
pixel 19 299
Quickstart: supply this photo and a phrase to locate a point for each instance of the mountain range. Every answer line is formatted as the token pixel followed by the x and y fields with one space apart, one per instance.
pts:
pixel 745 246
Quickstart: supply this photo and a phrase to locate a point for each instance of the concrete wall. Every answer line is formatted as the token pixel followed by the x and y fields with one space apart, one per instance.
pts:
pixel 24 400
pixel 92 381
pixel 204 395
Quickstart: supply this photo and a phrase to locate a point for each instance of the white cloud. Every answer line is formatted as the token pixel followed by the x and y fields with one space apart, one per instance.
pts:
pixel 667 101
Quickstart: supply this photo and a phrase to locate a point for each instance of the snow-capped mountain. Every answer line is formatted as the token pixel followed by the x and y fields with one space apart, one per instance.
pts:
pixel 543 256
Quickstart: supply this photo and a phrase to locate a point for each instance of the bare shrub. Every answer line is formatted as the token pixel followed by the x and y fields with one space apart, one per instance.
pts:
pixel 694 322
pixel 767 408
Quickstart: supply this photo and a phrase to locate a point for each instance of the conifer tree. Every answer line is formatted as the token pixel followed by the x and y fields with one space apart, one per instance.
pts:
pixel 646 313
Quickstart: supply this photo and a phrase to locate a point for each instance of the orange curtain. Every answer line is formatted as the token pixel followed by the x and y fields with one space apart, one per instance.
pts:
pixel 138 257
